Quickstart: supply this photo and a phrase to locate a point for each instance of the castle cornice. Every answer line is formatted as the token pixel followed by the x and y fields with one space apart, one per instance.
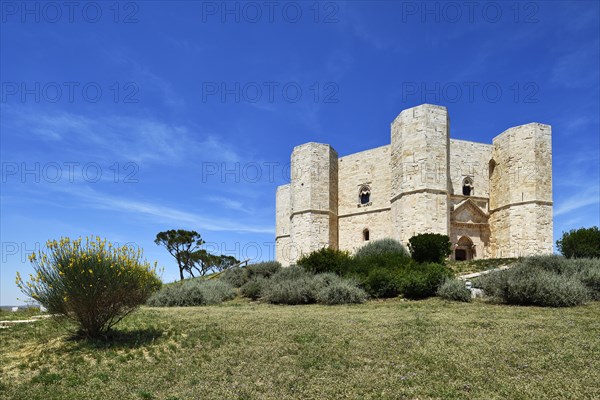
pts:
pixel 312 211
pixel 521 203
pixel 433 191
pixel 369 211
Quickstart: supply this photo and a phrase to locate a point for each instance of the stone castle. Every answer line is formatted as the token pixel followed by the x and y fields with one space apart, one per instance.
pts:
pixel 493 201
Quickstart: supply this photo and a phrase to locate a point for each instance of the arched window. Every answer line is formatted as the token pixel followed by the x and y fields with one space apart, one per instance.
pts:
pixel 467 187
pixel 364 194
pixel 492 167
pixel 366 235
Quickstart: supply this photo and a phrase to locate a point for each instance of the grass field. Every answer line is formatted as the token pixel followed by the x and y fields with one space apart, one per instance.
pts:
pixel 22 313
pixel 391 349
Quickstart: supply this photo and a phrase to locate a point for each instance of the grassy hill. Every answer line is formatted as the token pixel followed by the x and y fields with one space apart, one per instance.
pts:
pixel 378 350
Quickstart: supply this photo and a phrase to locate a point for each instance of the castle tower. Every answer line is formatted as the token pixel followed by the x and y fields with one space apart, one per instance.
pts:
pixel 314 201
pixel 521 191
pixel 419 166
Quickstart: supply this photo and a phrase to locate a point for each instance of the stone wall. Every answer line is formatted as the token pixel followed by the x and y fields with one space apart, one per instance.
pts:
pixel 314 197
pixel 470 159
pixel 282 224
pixel 522 230
pixel 351 228
pixel 371 168
pixel 521 191
pixel 419 165
pixel 421 212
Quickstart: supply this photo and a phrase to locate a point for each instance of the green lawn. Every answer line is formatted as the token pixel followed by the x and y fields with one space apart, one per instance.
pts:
pixel 392 349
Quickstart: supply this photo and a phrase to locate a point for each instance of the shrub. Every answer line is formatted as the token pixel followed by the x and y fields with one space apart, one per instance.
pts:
pixel 301 290
pixel 263 269
pixel 193 292
pixel 341 292
pixel 381 246
pixel 423 280
pixel 544 281
pixel 295 285
pixel 215 292
pixel 578 243
pixel 551 263
pixel 362 266
pixel 588 273
pixel 94 284
pixel 429 247
pixel 290 273
pixel 236 277
pixel 326 260
pixel 544 288
pixel 253 288
pixel 455 290
pixel 382 283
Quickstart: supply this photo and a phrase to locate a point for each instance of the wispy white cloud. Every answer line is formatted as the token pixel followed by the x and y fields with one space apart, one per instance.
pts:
pixel 160 212
pixel 144 77
pixel 578 68
pixel 230 203
pixel 585 198
pixel 123 137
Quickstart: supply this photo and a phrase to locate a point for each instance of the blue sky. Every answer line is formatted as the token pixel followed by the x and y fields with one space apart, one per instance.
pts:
pixel 125 120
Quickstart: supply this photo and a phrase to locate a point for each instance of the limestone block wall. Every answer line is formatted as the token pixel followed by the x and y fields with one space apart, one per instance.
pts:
pixel 521 191
pixel 372 168
pixel 421 212
pixel 523 230
pixel 420 151
pixel 351 228
pixel 470 159
pixel 282 224
pixel 314 191
pixel 282 211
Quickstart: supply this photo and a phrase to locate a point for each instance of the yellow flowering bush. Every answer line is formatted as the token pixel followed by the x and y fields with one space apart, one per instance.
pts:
pixel 92 283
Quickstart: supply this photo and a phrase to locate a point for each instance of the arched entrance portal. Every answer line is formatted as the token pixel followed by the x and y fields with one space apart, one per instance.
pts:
pixel 464 249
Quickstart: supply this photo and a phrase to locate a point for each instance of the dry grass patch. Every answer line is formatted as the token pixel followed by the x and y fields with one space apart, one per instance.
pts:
pixel 378 350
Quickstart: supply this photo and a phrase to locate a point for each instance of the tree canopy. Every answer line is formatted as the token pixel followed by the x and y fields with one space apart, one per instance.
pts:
pixel 185 247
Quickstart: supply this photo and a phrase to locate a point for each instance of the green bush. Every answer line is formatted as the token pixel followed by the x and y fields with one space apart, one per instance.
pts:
pixel 295 285
pixel 93 284
pixel 302 290
pixel 544 281
pixel 341 292
pixel 326 260
pixel 429 247
pixel 216 292
pixel 423 280
pixel 263 269
pixel 362 266
pixel 253 288
pixel 579 243
pixel 455 290
pixel 192 292
pixel 588 273
pixel 382 283
pixel 381 246
pixel 237 277
pixel 291 273
pixel 545 288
